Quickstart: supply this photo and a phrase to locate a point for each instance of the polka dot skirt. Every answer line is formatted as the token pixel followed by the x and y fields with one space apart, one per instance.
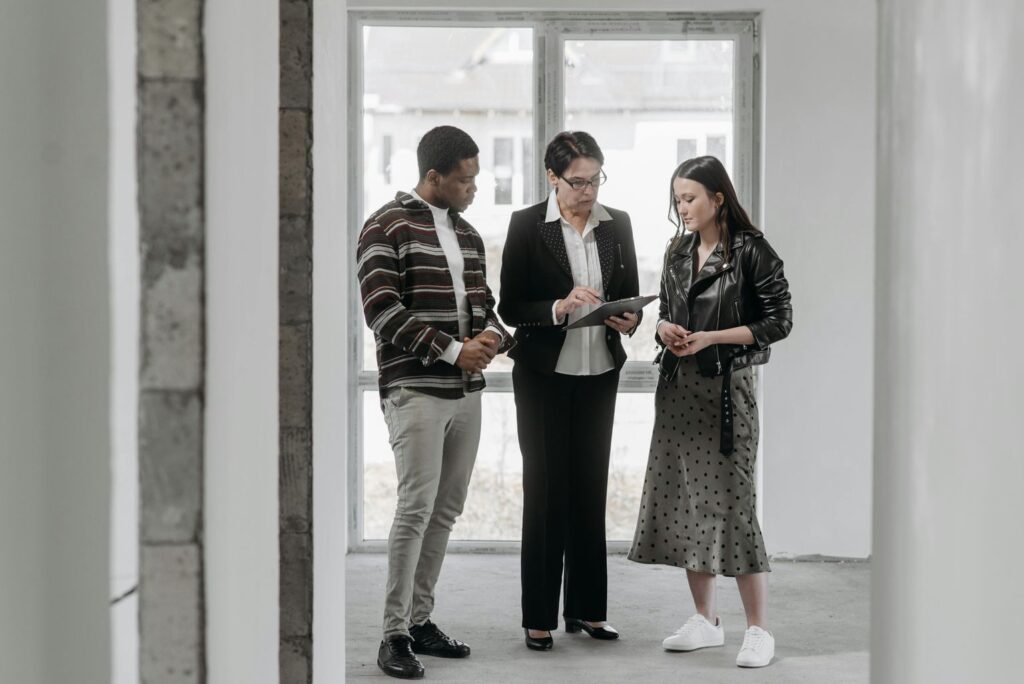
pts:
pixel 698 506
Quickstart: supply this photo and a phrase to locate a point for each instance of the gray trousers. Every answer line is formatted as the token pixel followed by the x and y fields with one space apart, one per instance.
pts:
pixel 434 441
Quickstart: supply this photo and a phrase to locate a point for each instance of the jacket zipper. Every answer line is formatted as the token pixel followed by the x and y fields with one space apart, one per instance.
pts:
pixel 718 324
pixel 675 281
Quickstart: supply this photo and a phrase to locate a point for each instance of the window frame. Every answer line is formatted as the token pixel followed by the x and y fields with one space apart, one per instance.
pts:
pixel 551 29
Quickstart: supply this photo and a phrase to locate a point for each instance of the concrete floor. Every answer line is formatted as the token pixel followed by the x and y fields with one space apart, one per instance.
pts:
pixel 818 613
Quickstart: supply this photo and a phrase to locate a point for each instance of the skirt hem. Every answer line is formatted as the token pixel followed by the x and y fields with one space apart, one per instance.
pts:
pixel 689 566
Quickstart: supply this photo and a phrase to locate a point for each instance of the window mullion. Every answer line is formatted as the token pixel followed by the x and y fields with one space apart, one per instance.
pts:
pixel 549 104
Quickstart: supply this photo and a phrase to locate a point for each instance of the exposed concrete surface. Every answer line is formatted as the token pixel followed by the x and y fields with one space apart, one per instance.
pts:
pixel 818 613
pixel 171 208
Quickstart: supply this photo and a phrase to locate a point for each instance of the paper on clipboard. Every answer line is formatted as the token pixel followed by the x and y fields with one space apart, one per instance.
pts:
pixel 616 308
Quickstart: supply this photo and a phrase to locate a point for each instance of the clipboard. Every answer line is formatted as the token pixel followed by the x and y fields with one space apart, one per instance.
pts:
pixel 616 308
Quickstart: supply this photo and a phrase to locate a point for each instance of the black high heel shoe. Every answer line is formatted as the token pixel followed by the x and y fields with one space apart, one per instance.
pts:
pixel 606 633
pixel 538 643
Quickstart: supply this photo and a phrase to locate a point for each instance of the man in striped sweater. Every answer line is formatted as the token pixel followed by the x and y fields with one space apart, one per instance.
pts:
pixel 423 282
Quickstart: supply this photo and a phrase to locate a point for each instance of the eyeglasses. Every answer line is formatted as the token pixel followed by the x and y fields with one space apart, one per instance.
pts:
pixel 579 183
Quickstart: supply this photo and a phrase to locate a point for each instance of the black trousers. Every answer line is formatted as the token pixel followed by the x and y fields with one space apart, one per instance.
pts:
pixel 565 434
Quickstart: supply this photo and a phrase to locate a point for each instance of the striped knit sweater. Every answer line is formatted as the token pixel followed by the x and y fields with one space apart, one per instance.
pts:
pixel 409 299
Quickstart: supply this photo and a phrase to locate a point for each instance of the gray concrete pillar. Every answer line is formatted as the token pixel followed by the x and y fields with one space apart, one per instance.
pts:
pixel 295 196
pixel 171 380
pixel 948 603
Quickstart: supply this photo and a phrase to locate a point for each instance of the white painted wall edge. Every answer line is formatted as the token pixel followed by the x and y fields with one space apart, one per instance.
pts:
pixel 124 353
pixel 332 287
pixel 241 418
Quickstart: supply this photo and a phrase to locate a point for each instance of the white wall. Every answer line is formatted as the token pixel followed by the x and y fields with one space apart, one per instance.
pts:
pixel 124 352
pixel 818 135
pixel 818 211
pixel 241 434
pixel 55 336
pixel 331 289
pixel 948 604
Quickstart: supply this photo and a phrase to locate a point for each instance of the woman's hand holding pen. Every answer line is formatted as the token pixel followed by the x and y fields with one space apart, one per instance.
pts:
pixel 576 298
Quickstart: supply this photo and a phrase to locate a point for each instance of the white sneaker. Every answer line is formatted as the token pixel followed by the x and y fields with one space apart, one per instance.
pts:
pixel 758 648
pixel 696 633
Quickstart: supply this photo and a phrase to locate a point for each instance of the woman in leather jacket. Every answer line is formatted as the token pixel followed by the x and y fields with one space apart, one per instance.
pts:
pixel 724 301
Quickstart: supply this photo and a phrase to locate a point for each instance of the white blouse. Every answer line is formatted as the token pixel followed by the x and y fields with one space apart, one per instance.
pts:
pixel 585 351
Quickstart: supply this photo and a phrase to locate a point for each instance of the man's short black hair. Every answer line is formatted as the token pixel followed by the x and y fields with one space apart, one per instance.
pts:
pixel 443 148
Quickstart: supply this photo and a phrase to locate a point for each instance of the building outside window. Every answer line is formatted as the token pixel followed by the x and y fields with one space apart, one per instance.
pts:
pixel 503 148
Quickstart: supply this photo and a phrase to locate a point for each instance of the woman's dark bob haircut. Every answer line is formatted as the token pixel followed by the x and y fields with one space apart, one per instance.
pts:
pixel 731 218
pixel 569 145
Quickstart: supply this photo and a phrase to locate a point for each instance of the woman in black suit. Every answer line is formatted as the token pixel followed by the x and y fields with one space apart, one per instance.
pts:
pixel 561 257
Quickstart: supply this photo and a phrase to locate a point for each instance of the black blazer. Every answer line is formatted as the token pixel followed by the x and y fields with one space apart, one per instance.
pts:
pixel 535 272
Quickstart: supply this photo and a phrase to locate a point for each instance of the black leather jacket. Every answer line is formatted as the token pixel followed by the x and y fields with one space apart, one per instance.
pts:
pixel 750 289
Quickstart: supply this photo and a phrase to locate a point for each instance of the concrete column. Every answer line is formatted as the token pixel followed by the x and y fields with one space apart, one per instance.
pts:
pixel 948 600
pixel 172 336
pixel 295 199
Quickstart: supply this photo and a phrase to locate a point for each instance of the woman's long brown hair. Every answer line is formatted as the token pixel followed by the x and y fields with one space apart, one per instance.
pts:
pixel 732 218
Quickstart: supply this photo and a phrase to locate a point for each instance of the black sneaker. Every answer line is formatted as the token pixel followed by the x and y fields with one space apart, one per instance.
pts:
pixel 396 658
pixel 429 640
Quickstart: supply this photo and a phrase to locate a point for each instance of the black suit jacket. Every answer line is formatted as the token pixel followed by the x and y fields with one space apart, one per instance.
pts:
pixel 535 272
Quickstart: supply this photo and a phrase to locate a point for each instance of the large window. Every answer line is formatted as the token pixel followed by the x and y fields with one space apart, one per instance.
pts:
pixel 652 89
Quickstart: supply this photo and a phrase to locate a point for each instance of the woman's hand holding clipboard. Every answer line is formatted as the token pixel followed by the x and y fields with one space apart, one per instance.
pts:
pixel 609 309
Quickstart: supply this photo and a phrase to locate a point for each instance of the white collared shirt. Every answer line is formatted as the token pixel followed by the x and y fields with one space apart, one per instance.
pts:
pixel 585 351
pixel 445 229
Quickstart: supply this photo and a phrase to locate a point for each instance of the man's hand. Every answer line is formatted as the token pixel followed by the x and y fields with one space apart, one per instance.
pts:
pixel 491 338
pixel 477 353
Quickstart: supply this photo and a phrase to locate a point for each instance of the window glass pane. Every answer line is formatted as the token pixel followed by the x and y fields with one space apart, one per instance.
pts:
pixel 646 101
pixel 494 507
pixel 479 79
pixel 686 148
pixel 527 171
pixel 716 146
pixel 503 170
